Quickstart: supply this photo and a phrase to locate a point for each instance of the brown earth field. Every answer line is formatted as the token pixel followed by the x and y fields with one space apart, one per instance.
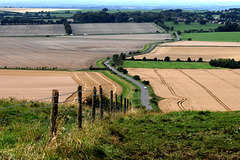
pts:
pixel 207 53
pixel 36 85
pixel 186 89
pixel 63 53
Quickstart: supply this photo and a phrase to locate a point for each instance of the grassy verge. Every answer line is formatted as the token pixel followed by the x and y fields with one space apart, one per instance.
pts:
pixel 167 65
pixel 213 36
pixel 136 135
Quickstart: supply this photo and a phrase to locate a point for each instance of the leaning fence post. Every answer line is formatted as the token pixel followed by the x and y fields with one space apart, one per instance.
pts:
pixel 79 113
pixel 93 104
pixel 121 99
pixel 54 113
pixel 115 107
pixel 125 107
pixel 100 101
pixel 111 101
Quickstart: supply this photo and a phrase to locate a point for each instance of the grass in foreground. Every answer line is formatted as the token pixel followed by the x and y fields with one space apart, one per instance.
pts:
pixel 139 135
pixel 167 65
pixel 213 36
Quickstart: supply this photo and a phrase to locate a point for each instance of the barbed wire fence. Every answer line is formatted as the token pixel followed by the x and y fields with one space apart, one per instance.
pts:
pixel 45 126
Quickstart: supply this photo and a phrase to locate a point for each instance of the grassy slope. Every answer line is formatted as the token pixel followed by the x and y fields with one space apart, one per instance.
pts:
pixel 213 36
pixel 167 65
pixel 182 26
pixel 137 135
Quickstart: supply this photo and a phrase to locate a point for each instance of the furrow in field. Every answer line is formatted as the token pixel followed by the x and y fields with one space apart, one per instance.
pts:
pixel 207 90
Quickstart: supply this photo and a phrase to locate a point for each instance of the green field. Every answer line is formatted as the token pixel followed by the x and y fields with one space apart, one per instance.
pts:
pixel 182 26
pixel 213 36
pixel 167 65
pixel 136 135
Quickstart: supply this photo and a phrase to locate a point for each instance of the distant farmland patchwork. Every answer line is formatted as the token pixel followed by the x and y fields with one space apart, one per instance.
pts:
pixel 31 30
pixel 213 90
pixel 113 28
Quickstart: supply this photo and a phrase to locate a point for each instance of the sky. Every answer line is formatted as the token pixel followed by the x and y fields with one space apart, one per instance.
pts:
pixel 38 3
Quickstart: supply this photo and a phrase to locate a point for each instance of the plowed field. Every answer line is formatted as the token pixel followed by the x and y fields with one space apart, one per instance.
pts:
pixel 34 85
pixel 31 30
pixel 63 53
pixel 213 90
pixel 110 28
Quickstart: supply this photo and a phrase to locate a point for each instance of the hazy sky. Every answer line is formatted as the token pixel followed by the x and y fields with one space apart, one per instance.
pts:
pixel 118 2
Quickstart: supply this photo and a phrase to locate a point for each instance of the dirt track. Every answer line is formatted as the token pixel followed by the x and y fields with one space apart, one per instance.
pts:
pixel 33 85
pixel 214 90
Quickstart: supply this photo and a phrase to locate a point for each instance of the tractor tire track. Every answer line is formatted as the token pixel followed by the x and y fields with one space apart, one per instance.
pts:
pixel 224 80
pixel 207 90
pixel 235 72
pixel 179 103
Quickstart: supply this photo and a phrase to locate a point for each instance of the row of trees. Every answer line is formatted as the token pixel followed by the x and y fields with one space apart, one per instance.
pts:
pixel 167 59
pixel 225 63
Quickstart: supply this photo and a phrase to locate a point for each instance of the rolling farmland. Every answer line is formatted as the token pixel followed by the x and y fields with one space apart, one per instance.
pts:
pixel 113 28
pixel 213 90
pixel 194 50
pixel 32 85
pixel 63 53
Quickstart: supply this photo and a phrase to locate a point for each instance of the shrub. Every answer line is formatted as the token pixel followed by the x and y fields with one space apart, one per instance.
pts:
pixel 125 71
pixel 200 59
pixel 120 69
pixel 189 59
pixel 144 59
pixel 167 58
pixel 178 60
pixel 136 77
pixel 146 82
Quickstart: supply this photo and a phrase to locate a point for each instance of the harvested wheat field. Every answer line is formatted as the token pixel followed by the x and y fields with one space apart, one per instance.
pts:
pixel 63 53
pixel 113 28
pixel 207 53
pixel 35 85
pixel 202 44
pixel 31 30
pixel 213 90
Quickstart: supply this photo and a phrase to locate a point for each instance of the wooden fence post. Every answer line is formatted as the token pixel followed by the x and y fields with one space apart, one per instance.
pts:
pixel 54 113
pixel 79 113
pixel 111 101
pixel 100 101
pixel 93 104
pixel 121 104
pixel 115 107
pixel 125 105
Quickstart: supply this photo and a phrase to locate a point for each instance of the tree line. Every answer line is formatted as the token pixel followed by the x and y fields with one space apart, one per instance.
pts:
pixel 225 63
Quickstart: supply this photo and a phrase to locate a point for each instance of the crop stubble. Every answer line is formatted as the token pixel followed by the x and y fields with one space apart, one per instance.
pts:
pixel 213 90
pixel 32 85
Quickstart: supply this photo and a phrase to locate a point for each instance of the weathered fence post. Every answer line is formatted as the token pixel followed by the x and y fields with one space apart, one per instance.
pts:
pixel 79 113
pixel 54 113
pixel 121 99
pixel 125 105
pixel 100 101
pixel 111 101
pixel 115 107
pixel 93 104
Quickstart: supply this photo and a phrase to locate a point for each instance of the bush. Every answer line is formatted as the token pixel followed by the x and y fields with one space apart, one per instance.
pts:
pixel 120 69
pixel 167 59
pixel 136 77
pixel 144 59
pixel 200 59
pixel 146 82
pixel 178 60
pixel 125 71
pixel 189 59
